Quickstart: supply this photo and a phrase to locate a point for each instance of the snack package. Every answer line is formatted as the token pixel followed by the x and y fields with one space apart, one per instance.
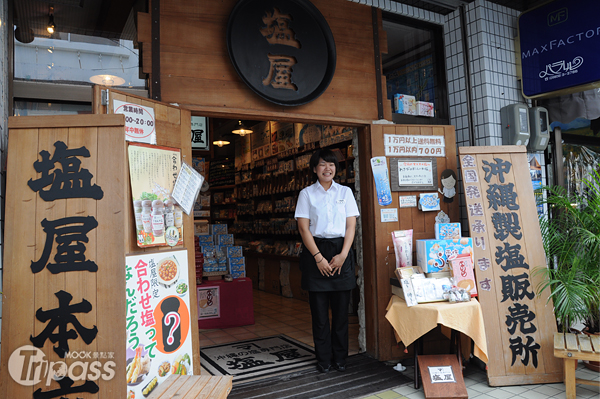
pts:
pixel 403 247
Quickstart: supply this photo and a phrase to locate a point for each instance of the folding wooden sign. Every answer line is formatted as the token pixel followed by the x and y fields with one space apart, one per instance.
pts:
pixel 507 245
pixel 63 332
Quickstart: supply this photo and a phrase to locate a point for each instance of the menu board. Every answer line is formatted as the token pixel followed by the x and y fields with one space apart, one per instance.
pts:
pixel 153 171
pixel 159 340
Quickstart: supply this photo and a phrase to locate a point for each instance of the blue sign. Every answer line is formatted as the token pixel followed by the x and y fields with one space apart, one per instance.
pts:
pixel 560 46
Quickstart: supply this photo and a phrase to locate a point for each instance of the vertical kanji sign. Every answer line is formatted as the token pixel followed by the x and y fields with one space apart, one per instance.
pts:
pixel 507 245
pixel 62 333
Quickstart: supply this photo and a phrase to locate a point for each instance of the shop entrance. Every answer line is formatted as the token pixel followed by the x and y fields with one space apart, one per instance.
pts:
pixel 253 184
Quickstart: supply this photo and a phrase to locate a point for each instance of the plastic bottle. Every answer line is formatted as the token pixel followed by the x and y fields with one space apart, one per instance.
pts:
pixel 137 210
pixel 178 213
pixel 147 216
pixel 169 215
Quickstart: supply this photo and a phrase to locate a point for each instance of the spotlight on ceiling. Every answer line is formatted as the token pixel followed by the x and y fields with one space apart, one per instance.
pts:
pixel 241 129
pixel 51 26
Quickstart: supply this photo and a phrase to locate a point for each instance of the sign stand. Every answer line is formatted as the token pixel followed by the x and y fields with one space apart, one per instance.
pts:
pixel 442 377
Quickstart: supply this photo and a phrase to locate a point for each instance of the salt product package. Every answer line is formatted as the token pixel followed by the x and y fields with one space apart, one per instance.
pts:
pixel 403 247
pixel 382 181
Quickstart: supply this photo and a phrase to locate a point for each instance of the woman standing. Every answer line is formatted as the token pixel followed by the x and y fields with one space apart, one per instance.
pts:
pixel 326 213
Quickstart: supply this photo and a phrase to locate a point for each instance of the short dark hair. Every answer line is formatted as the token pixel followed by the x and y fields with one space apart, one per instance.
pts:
pixel 326 155
pixel 447 173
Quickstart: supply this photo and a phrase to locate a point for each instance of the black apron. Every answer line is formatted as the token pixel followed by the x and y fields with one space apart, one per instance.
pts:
pixel 313 280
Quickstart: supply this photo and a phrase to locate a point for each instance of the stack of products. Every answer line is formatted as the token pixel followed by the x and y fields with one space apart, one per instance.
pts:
pixel 220 255
pixel 199 260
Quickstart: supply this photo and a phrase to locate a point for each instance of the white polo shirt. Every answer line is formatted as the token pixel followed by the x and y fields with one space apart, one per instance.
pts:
pixel 326 210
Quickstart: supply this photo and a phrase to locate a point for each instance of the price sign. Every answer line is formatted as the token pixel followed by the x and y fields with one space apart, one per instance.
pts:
pixel 139 122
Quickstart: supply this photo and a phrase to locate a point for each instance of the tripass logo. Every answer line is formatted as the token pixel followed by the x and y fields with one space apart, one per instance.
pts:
pixel 558 16
pixel 28 366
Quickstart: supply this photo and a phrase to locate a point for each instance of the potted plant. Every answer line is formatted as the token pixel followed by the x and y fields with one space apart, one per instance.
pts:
pixel 571 236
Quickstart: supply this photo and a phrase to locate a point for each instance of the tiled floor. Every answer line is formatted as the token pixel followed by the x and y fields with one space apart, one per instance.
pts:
pixel 275 315
pixel 477 387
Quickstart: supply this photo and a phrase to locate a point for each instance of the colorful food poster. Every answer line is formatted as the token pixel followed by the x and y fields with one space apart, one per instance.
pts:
pixel 187 187
pixel 139 122
pixel 159 339
pixel 153 171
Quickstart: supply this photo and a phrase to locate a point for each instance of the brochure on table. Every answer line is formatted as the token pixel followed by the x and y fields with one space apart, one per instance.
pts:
pixel 159 340
pixel 153 171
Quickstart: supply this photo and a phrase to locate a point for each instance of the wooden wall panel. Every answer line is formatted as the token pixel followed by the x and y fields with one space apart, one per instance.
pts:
pixel 422 224
pixel 173 129
pixel 25 292
pixel 196 71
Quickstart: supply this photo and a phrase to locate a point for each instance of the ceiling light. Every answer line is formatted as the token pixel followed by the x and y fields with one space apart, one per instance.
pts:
pixel 242 130
pixel 107 80
pixel 221 143
pixel 50 26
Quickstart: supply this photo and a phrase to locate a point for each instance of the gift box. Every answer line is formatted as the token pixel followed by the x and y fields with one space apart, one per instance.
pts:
pixel 225 239
pixel 405 104
pixel 237 261
pixel 434 255
pixel 238 274
pixel 425 109
pixel 216 229
pixel 234 252
pixel 205 239
pixel 447 231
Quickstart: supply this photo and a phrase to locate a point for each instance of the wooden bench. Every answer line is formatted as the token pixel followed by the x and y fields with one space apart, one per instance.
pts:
pixel 571 348
pixel 193 387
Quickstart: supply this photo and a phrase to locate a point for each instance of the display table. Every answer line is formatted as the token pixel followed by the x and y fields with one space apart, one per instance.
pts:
pixel 411 323
pixel 230 305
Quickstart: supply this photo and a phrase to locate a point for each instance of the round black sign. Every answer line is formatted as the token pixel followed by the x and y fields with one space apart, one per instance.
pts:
pixel 282 49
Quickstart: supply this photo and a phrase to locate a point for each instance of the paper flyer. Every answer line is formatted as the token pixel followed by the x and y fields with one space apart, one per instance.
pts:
pixel 139 122
pixel 382 180
pixel 159 340
pixel 153 171
pixel 187 187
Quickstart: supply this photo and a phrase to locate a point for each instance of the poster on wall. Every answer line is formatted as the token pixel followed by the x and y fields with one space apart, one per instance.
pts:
pixel 153 171
pixel 139 122
pixel 209 302
pixel 159 340
pixel 199 127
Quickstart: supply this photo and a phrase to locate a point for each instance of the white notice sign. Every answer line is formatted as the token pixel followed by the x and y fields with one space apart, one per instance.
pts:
pixel 441 374
pixel 139 122
pixel 187 187
pixel 409 201
pixel 410 145
pixel 389 215
pixel 415 173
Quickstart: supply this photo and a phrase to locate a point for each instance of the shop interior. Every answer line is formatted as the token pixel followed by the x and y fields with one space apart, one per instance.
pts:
pixel 256 201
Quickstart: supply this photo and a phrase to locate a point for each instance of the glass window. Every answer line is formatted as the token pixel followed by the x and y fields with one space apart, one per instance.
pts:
pixel 414 64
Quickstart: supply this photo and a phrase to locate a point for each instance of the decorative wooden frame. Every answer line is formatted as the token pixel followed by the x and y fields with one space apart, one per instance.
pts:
pixel 394 175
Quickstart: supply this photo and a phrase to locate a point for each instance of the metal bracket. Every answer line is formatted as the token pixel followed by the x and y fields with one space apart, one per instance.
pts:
pixel 104 97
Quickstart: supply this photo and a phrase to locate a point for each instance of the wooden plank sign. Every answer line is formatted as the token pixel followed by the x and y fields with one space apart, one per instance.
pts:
pixel 507 245
pixel 64 280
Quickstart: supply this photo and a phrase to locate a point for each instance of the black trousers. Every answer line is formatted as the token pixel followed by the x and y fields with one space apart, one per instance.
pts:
pixel 331 345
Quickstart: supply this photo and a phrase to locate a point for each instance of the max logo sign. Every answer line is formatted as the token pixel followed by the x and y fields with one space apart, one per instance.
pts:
pixel 173 324
pixel 558 16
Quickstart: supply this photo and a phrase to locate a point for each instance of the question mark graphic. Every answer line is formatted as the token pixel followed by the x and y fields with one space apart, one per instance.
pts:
pixel 176 319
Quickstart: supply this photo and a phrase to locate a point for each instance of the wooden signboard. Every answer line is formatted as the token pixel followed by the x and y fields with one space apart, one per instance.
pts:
pixel 64 280
pixel 442 377
pixel 507 245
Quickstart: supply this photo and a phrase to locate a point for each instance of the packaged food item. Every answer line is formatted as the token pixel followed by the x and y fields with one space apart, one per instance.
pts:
pixel 405 104
pixel 403 247
pixel 462 271
pixel 447 231
pixel 425 108
pixel 435 255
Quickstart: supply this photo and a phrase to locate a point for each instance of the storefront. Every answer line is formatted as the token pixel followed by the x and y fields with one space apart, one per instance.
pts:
pixel 188 52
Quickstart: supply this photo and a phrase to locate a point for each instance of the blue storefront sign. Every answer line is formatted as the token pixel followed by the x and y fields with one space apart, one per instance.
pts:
pixel 560 46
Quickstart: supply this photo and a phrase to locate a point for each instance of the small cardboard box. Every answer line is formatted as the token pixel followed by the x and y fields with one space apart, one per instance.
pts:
pixel 201 227
pixel 405 104
pixel 205 239
pixel 447 231
pixel 237 261
pixel 216 229
pixel 238 274
pixel 234 251
pixel 425 109
pixel 433 255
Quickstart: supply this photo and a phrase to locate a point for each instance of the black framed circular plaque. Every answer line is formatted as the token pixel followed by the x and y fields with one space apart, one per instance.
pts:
pixel 282 49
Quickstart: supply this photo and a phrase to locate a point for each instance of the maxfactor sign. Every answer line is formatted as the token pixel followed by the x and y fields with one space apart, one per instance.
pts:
pixel 560 48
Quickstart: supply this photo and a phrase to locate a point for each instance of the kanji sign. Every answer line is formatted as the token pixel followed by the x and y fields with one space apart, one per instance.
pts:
pixel 505 230
pixel 139 121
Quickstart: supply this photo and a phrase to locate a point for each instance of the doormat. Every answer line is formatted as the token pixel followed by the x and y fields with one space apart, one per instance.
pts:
pixel 364 376
pixel 259 357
